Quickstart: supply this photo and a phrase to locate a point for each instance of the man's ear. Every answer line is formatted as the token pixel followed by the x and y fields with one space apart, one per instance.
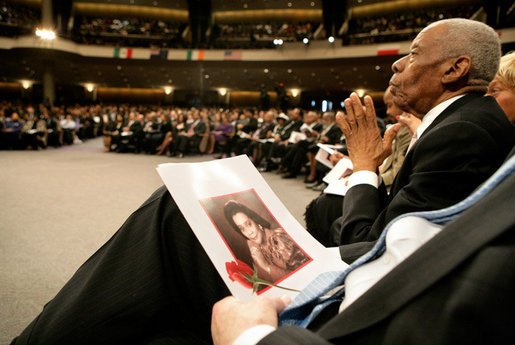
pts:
pixel 456 69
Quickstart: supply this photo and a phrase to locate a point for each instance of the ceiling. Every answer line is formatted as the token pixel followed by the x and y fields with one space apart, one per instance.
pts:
pixel 372 73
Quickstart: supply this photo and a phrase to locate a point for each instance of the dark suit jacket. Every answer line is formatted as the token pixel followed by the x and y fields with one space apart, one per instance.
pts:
pixel 465 144
pixel 334 134
pixel 200 127
pixel 290 127
pixel 456 289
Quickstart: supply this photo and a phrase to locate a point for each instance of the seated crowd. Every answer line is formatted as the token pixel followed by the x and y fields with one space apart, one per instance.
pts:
pixel 27 127
pixel 128 32
pixel 259 35
pixel 17 19
pixel 400 26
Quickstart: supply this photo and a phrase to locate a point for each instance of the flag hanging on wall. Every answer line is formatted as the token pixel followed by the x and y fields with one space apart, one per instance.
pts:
pixel 230 55
pixel 159 54
pixel 195 55
pixel 122 53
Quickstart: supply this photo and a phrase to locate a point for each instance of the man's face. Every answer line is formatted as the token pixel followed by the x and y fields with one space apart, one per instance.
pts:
pixel 416 84
pixel 310 117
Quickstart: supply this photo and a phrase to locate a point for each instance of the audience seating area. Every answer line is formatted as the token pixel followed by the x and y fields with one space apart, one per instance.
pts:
pixel 131 32
pixel 400 26
pixel 18 19
pixel 265 136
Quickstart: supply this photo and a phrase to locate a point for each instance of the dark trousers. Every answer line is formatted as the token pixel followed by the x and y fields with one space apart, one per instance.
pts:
pixel 296 156
pixel 183 143
pixel 150 283
pixel 320 214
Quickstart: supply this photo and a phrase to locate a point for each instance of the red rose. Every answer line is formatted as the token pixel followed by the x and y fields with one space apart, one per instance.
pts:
pixel 237 272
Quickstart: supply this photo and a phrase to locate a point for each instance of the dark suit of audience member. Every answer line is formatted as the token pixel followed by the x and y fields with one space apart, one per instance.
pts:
pixel 53 131
pixel 463 138
pixel 247 145
pixel 130 137
pixel 462 147
pixel 243 128
pixel 326 208
pixel 278 148
pixel 11 133
pixel 191 138
pixel 295 155
pixel 114 130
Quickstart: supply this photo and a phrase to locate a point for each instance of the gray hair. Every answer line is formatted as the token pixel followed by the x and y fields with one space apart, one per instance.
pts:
pixel 476 40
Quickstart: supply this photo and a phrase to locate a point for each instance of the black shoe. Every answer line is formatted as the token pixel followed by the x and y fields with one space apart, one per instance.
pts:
pixel 290 175
pixel 312 185
pixel 320 187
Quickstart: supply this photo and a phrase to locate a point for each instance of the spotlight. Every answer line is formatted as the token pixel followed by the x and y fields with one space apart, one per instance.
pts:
pixel 222 91
pixel 90 87
pixel 331 39
pixel 278 42
pixel 45 34
pixel 305 40
pixel 25 84
pixel 168 90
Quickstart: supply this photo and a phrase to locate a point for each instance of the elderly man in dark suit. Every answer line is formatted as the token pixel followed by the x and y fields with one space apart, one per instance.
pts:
pixel 152 283
pixel 462 140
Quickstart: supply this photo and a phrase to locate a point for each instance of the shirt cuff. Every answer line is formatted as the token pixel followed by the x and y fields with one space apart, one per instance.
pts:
pixel 253 335
pixel 364 177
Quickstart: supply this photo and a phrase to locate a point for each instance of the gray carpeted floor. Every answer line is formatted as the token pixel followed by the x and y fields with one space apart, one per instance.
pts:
pixel 58 206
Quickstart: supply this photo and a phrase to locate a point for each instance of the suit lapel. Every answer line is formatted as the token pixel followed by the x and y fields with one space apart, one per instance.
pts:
pixel 455 243
pixel 450 110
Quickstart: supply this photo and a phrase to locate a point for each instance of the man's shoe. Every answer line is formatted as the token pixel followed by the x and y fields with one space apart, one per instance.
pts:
pixel 320 187
pixel 289 176
pixel 312 185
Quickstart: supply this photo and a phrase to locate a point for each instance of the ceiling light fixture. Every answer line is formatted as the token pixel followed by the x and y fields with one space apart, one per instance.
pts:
pixel 360 92
pixel 26 84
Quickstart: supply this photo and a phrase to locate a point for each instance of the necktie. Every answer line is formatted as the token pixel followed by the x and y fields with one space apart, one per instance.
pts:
pixel 191 130
pixel 312 300
pixel 412 142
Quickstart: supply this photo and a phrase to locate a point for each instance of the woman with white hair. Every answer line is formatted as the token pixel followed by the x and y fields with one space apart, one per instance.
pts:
pixel 502 88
